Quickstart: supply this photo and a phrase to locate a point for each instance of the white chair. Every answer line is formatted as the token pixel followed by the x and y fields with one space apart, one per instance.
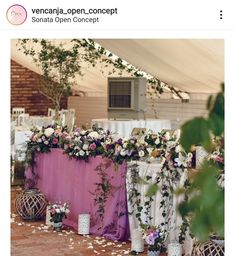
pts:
pixel 51 112
pixel 13 125
pixel 68 118
pixel 16 112
pixel 22 119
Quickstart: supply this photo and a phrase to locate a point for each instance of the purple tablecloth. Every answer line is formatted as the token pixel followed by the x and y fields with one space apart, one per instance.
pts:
pixel 67 180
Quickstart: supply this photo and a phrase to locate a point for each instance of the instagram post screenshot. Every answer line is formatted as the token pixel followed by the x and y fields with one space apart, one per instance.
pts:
pixel 115 130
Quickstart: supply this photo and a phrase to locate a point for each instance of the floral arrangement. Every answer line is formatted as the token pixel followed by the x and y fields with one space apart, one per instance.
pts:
pixel 58 211
pixel 217 156
pixel 155 238
pixel 125 150
pixel 86 143
pixel 42 140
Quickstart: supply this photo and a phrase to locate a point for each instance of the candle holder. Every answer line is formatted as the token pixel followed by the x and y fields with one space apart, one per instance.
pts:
pixel 48 217
pixel 83 224
pixel 137 241
pixel 174 249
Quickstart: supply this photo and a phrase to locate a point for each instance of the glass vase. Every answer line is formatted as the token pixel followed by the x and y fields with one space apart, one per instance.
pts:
pixel 57 226
pixel 153 253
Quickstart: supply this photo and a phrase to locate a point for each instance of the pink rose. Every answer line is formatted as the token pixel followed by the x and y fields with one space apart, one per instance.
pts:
pixel 55 141
pixel 92 146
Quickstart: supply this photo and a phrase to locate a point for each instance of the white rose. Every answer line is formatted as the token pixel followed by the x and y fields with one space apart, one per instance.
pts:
pixel 157 141
pixel 125 145
pixel 85 147
pixel 94 135
pixel 39 140
pixel 46 142
pixel 141 153
pixel 77 138
pixel 178 149
pixel 123 152
pixel 81 153
pixel 57 210
pixel 87 153
pixel 83 132
pixel 49 131
pixel 149 150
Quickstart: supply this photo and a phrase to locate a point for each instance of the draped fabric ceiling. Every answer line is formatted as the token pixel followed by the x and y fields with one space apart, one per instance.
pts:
pixel 192 65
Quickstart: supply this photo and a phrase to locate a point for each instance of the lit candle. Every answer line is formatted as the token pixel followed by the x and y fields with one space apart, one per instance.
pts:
pixel 137 241
pixel 83 224
pixel 48 217
pixel 174 249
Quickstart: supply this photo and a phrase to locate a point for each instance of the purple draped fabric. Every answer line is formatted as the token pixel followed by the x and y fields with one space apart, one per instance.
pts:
pixel 75 181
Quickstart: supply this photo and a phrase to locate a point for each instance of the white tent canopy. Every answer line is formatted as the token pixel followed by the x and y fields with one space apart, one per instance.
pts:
pixel 192 65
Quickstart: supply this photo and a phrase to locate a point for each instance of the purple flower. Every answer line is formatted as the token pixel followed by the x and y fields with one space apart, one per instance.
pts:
pixel 129 152
pixel 119 141
pixel 152 237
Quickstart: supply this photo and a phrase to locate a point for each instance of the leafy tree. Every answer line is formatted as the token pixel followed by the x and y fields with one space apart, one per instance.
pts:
pixel 59 65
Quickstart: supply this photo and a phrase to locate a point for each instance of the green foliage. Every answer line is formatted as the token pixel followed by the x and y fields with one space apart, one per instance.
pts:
pixel 205 204
pixel 198 130
pixel 152 190
pixel 195 131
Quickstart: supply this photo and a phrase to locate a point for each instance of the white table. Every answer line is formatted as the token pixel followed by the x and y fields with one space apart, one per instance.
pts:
pixel 123 128
pixel 145 169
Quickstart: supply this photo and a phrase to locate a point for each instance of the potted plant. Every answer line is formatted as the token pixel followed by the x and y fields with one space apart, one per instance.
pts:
pixel 58 212
pixel 155 238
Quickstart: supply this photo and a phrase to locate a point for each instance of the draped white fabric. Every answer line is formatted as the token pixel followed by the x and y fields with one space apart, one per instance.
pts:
pixel 123 128
pixel 193 65
pixel 152 170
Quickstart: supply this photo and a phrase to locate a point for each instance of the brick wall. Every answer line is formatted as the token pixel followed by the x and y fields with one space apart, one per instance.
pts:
pixel 25 93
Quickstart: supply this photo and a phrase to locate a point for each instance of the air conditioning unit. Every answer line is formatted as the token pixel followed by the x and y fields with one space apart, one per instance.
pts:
pixel 126 98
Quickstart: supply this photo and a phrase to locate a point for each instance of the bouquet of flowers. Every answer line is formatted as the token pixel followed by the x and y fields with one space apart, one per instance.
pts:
pixel 155 238
pixel 86 143
pixel 125 150
pixel 47 137
pixel 43 140
pixel 58 211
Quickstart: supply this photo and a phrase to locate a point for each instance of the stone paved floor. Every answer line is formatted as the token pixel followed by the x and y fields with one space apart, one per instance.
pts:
pixel 35 239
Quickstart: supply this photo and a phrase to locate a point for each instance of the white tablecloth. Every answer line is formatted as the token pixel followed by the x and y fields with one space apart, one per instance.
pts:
pixel 152 170
pixel 36 121
pixel 124 127
pixel 21 137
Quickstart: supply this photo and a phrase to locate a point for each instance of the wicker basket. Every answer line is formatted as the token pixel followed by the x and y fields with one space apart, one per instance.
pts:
pixel 31 205
pixel 209 248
